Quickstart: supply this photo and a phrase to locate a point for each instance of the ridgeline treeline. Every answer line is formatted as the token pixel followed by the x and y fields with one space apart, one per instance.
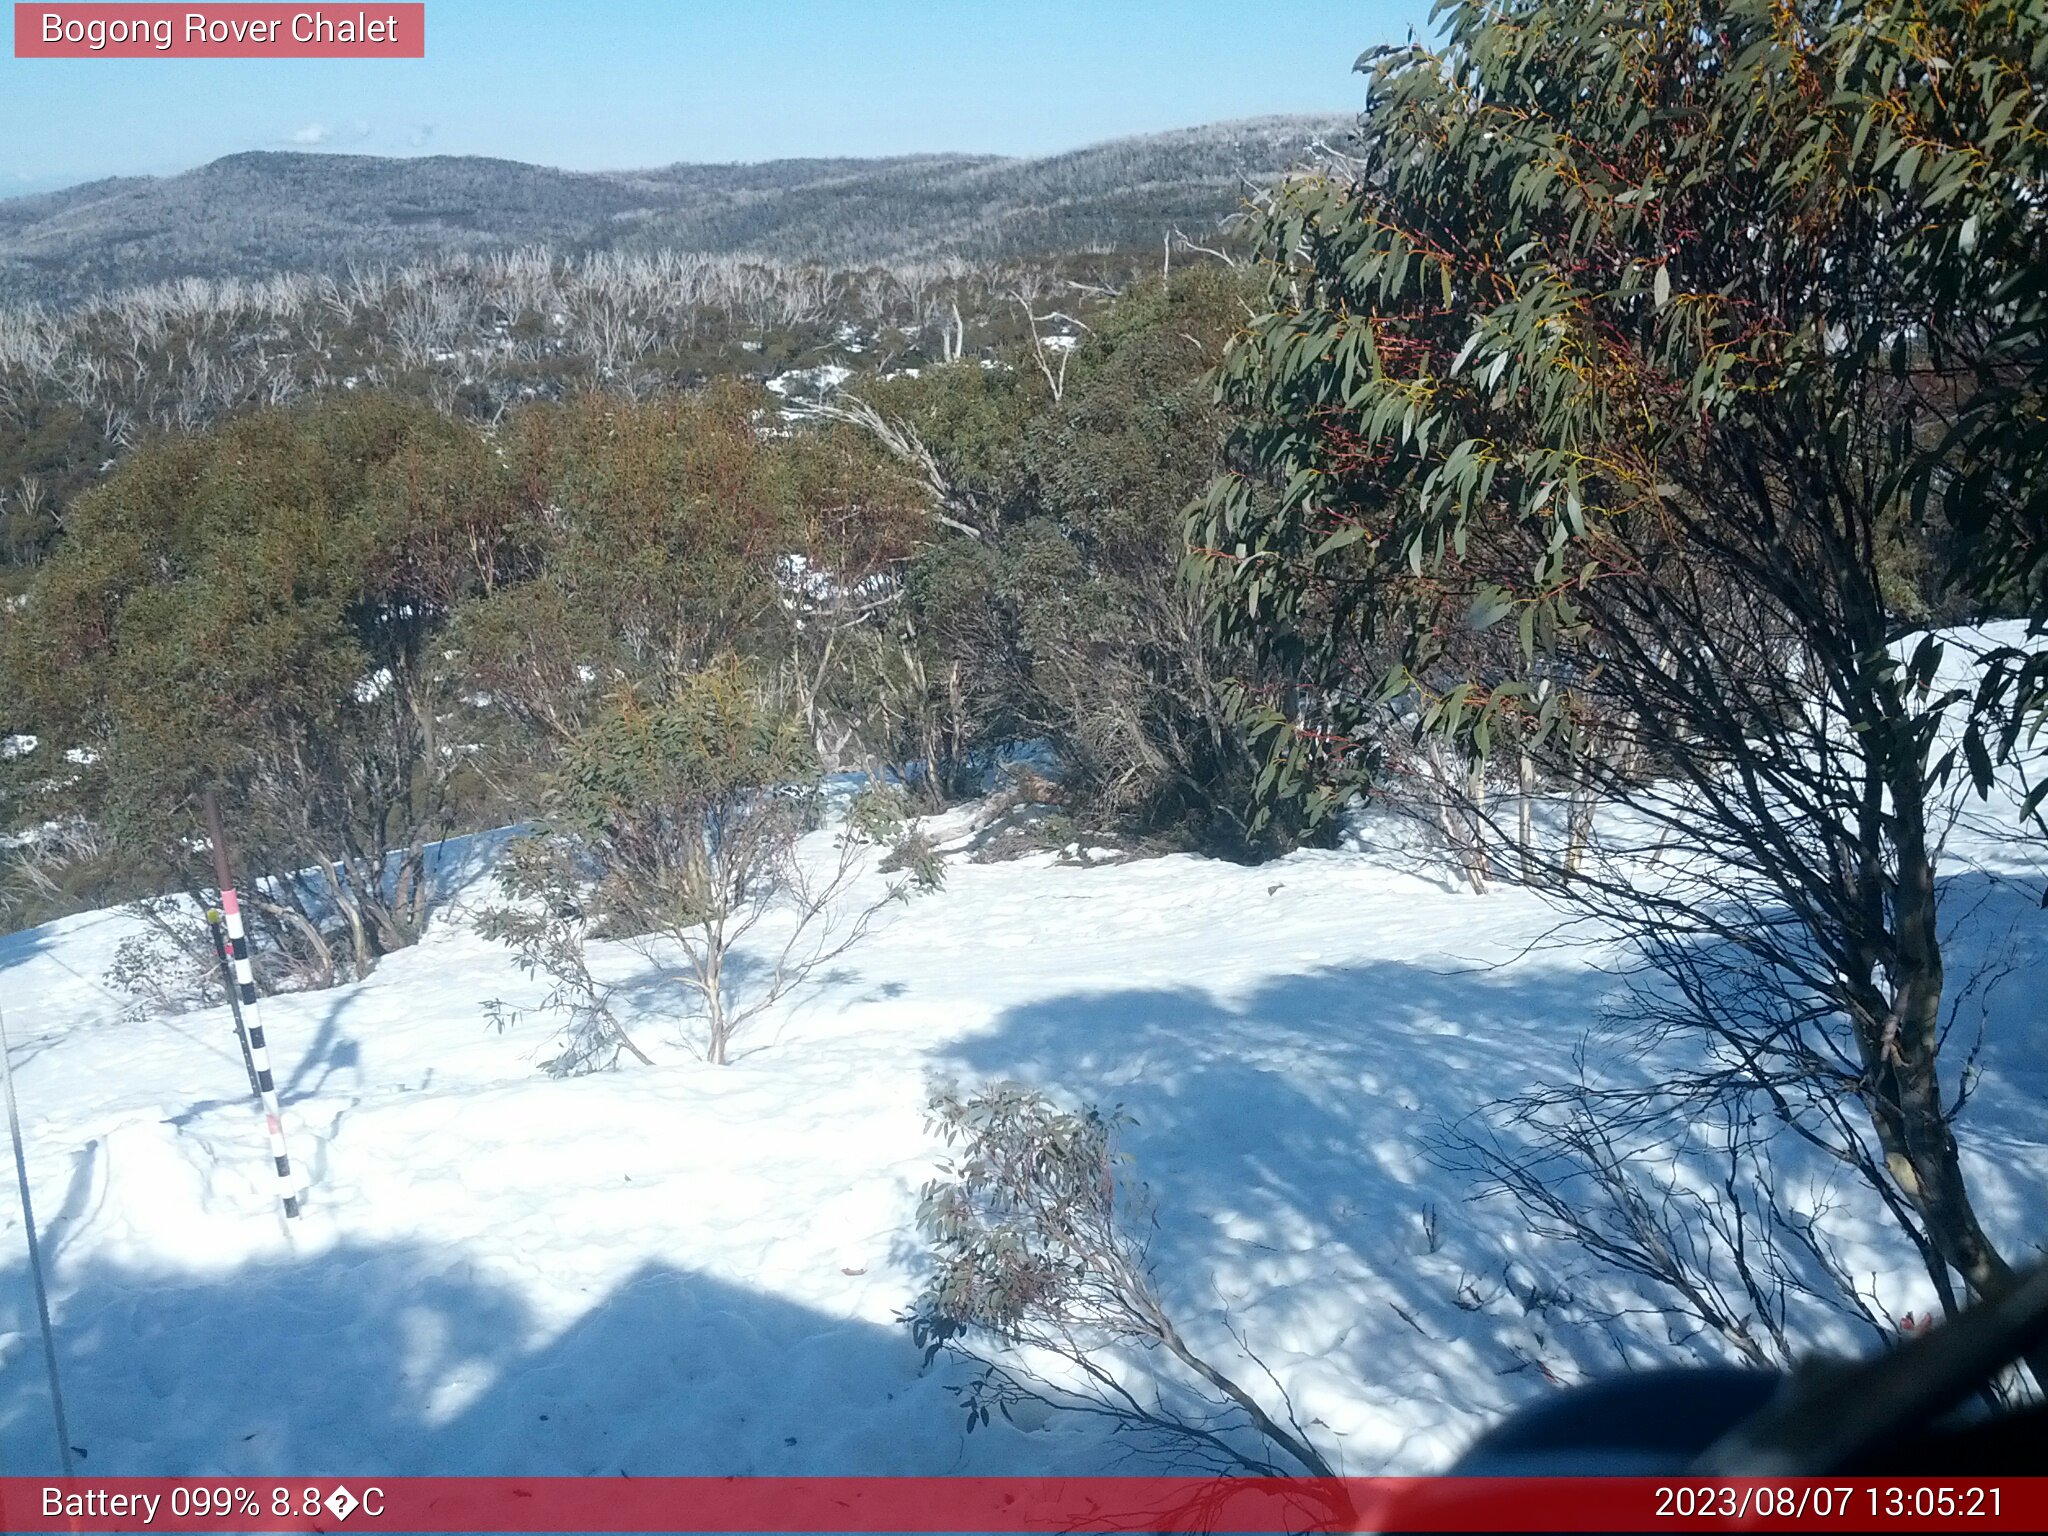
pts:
pixel 251 215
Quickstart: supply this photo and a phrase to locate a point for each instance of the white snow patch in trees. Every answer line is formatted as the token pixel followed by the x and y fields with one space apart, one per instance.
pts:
pixel 810 382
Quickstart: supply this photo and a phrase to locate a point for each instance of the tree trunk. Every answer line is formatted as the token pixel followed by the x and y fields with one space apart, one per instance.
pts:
pixel 712 983
pixel 345 902
pixel 323 952
pixel 1581 806
pixel 1477 861
pixel 1912 1123
pixel 1525 815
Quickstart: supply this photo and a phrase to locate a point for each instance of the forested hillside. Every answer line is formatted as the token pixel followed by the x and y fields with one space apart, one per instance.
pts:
pixel 251 215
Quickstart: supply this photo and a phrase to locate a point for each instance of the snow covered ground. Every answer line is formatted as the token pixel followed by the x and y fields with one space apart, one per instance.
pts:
pixel 693 1269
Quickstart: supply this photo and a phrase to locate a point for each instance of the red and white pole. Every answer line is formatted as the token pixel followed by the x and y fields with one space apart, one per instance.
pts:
pixel 242 994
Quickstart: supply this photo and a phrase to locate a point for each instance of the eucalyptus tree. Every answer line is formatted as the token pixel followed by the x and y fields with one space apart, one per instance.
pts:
pixel 261 610
pixel 1636 335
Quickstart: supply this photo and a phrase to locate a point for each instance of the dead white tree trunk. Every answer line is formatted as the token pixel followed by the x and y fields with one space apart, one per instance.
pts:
pixel 1525 812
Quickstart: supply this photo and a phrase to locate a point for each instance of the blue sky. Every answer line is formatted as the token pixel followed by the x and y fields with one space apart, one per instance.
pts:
pixel 615 83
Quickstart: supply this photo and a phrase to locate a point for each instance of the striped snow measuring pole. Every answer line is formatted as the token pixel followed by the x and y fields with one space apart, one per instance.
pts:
pixel 216 924
pixel 241 982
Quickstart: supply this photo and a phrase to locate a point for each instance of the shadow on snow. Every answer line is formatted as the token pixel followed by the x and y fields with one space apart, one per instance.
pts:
pixel 396 1361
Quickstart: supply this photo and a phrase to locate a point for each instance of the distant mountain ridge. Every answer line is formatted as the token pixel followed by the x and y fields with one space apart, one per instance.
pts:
pixel 261 212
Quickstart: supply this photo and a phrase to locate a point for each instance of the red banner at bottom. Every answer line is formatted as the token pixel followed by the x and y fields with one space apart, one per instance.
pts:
pixel 1020 1504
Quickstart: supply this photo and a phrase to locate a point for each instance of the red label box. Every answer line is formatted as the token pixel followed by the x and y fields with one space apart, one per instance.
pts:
pixel 106 29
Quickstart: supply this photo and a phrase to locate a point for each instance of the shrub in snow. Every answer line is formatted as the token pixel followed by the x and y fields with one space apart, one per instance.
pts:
pixel 1716 598
pixel 675 827
pixel 260 610
pixel 878 813
pixel 547 882
pixel 881 814
pixel 171 968
pixel 50 867
pixel 1038 1248
pixel 917 855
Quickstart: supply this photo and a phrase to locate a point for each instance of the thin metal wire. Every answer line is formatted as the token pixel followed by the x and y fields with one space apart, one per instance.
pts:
pixel 35 1252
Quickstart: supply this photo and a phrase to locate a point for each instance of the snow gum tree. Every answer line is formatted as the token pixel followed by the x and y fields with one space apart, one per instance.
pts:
pixel 259 609
pixel 1048 602
pixel 674 530
pixel 1637 333
pixel 659 526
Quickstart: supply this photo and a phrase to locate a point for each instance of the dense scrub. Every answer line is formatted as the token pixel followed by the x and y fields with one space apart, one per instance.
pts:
pixel 371 623
pixel 475 336
pixel 1065 618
